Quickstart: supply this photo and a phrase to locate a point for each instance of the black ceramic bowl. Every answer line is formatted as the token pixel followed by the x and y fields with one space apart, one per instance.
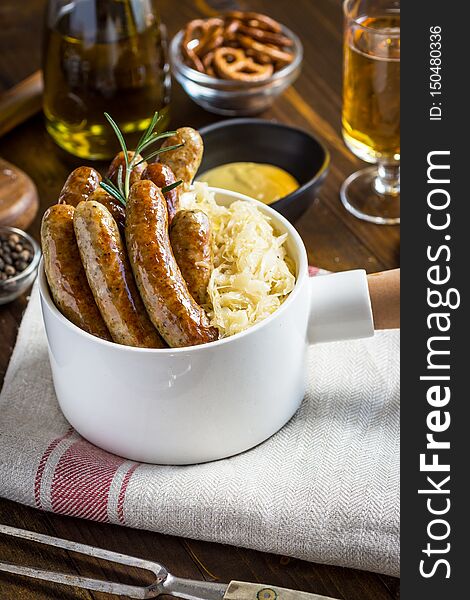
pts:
pixel 258 140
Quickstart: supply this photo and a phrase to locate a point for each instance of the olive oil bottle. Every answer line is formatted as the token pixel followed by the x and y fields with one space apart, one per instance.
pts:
pixel 103 56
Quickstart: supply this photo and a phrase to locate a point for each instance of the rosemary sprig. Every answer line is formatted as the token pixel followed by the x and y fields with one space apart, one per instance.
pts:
pixel 149 137
pixel 172 186
pixel 157 152
pixel 115 192
pixel 109 187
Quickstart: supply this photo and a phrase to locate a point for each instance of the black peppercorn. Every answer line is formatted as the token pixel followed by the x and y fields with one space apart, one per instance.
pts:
pixel 15 255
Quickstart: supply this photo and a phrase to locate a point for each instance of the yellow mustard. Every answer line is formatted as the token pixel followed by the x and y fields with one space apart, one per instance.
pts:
pixel 263 182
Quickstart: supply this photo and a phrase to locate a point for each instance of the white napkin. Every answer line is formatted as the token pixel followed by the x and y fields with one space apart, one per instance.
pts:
pixel 324 489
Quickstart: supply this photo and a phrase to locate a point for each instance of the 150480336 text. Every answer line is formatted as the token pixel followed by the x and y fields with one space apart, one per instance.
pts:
pixel 435 77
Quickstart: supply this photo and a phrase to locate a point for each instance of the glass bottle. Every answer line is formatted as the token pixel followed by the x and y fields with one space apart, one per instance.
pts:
pixel 103 56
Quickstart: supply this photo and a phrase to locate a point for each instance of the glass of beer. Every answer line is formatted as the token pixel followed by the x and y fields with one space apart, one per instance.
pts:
pixel 371 108
pixel 103 56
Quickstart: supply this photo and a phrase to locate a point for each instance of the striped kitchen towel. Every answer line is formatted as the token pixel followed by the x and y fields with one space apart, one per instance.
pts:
pixel 325 488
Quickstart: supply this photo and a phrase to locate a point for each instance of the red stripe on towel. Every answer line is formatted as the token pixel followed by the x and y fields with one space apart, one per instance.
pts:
pixel 42 465
pixel 82 481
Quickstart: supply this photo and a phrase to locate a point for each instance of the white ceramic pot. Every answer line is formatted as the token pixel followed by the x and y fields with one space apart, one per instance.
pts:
pixel 190 405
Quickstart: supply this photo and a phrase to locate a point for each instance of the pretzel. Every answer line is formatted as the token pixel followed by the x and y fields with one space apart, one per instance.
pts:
pixel 257 20
pixel 192 59
pixel 201 36
pixel 268 37
pixel 208 61
pixel 267 49
pixel 191 41
pixel 233 63
pixel 244 46
pixel 212 38
pixel 264 59
pixel 231 28
pixel 194 31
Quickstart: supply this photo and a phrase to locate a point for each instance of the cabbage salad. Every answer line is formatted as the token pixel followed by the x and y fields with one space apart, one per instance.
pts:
pixel 253 274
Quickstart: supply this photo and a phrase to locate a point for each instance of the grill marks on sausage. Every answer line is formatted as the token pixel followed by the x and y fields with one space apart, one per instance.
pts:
pixel 65 273
pixel 173 311
pixel 110 277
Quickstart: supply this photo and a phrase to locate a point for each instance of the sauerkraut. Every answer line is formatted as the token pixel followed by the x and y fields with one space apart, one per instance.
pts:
pixel 252 273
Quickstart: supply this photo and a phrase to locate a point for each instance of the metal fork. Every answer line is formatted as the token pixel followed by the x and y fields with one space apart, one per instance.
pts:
pixel 165 582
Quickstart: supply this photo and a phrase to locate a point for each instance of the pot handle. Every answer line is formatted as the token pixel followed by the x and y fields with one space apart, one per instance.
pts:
pixel 344 306
pixel 340 307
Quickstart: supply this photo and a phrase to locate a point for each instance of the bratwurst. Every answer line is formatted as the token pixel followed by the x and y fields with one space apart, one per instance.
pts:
pixel 173 311
pixel 80 184
pixel 114 206
pixel 65 274
pixel 190 237
pixel 118 161
pixel 184 161
pixel 162 176
pixel 110 277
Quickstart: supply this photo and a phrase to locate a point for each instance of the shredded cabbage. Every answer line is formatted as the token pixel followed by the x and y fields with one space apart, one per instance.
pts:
pixel 252 273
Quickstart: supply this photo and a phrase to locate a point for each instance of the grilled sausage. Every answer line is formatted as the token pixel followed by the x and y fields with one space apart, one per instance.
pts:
pixel 80 184
pixel 118 161
pixel 162 175
pixel 184 161
pixel 180 321
pixel 110 277
pixel 65 274
pixel 116 209
pixel 190 237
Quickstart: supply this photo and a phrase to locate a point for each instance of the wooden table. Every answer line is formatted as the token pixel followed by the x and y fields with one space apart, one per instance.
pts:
pixel 335 241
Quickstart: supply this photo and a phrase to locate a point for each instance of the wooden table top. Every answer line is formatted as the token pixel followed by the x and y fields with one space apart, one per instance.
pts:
pixel 335 240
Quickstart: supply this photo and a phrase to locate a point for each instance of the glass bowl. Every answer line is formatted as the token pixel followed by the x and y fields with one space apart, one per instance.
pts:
pixel 229 97
pixel 15 286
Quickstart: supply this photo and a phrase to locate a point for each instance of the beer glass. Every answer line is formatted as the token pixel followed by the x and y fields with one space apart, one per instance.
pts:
pixel 371 108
